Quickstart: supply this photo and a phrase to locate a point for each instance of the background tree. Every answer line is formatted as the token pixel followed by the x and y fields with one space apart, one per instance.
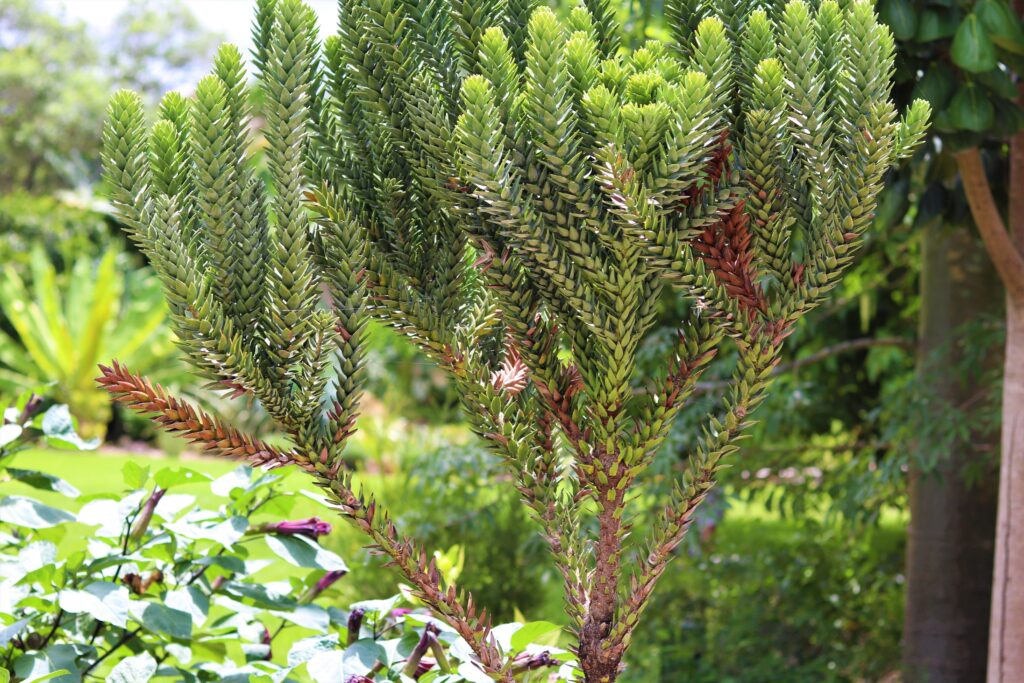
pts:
pixel 159 45
pixel 963 59
pixel 52 98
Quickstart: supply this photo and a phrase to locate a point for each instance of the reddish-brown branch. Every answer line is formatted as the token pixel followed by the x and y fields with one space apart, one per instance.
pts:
pixel 725 248
pixel 181 418
pixel 192 424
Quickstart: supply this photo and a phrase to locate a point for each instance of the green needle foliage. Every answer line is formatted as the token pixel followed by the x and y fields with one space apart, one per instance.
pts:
pixel 514 194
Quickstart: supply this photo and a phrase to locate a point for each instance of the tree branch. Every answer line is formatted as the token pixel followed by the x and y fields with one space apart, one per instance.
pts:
pixel 1005 255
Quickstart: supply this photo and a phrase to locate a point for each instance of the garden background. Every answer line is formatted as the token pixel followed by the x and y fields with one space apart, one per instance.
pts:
pixel 799 571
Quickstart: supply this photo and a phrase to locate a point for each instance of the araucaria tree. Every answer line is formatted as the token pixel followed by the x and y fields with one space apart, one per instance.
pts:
pixel 514 193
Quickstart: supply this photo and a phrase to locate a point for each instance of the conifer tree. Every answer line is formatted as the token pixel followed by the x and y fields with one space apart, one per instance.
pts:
pixel 514 193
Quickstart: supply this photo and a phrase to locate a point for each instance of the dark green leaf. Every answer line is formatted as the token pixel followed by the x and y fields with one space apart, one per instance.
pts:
pixel 30 513
pixel 936 86
pixel 159 618
pixel 972 50
pixel 998 82
pixel 1001 24
pixel 43 481
pixel 900 16
pixel 971 109
pixel 937 24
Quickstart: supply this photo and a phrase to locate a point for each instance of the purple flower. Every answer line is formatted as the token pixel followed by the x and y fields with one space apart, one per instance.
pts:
pixel 415 666
pixel 32 407
pixel 314 528
pixel 325 582
pixel 400 612
pixel 355 623
pixel 358 679
pixel 146 515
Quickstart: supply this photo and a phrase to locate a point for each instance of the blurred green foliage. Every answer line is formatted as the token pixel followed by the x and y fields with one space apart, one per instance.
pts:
pixel 765 601
pixel 64 324
pixel 46 222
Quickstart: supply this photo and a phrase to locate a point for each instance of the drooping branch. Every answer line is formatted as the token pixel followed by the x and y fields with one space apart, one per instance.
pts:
pixel 1004 252
pixel 214 436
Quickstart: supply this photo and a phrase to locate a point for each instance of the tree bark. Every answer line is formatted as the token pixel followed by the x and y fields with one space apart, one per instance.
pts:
pixel 1006 646
pixel 1006 641
pixel 951 536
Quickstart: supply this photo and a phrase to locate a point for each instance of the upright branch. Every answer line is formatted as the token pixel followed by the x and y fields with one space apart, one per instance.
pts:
pixel 515 194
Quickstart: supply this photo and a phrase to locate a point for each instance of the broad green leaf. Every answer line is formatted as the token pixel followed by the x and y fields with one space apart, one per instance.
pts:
pixel 8 433
pixel 937 24
pixel 167 477
pixel 238 478
pixel 59 429
pixel 473 674
pixel 226 533
pixel 936 86
pixel 972 50
pixel 101 600
pixel 58 676
pixel 313 617
pixel 529 633
pixel 11 630
pixel 159 618
pixel 30 513
pixel 901 17
pixel 271 596
pixel 305 649
pixel 1000 83
pixel 304 552
pixel 191 600
pixel 135 475
pixel 137 669
pixel 328 667
pixel 362 656
pixel 43 481
pixel 971 109
pixel 110 515
pixel 1001 24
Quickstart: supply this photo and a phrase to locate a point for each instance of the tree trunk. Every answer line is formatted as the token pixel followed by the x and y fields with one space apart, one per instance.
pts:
pixel 1006 648
pixel 951 536
pixel 1006 641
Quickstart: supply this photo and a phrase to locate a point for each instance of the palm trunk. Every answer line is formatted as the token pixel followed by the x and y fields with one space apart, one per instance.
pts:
pixel 951 536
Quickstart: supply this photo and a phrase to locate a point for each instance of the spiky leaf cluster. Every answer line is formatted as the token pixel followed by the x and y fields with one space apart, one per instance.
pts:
pixel 514 194
pixel 237 260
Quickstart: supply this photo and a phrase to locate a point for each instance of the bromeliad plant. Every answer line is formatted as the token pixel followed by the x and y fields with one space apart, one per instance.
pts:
pixel 515 194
